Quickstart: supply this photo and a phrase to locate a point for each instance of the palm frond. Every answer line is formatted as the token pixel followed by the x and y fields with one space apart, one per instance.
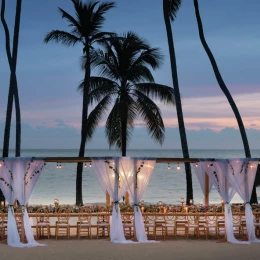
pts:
pixel 99 87
pixel 96 115
pixel 98 16
pixel 173 7
pixel 151 115
pixel 113 126
pixel 140 73
pixel 72 22
pixel 61 36
pixel 157 91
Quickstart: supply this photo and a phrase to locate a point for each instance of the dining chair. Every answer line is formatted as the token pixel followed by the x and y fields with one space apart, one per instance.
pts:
pixel 62 224
pixel 168 228
pixel 84 222
pixel 42 223
pixel 2 225
pixel 103 222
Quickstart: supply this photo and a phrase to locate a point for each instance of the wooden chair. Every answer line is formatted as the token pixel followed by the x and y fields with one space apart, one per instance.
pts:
pixel 221 228
pixel 236 219
pixel 103 222
pixel 42 223
pixel 2 225
pixel 168 228
pixel 192 223
pixel 149 224
pixel 62 224
pixel 201 224
pixel 159 222
pixel 128 223
pixel 180 222
pixel 256 213
pixel 84 222
pixel 211 224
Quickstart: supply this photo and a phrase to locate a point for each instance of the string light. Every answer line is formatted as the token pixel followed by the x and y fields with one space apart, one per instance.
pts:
pixel 196 165
pixel 169 167
pixel 90 165
pixel 178 167
pixel 57 166
pixel 85 165
pixel 0 164
pixel 60 165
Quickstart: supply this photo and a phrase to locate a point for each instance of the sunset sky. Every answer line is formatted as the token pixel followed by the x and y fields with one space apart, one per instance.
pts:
pixel 48 74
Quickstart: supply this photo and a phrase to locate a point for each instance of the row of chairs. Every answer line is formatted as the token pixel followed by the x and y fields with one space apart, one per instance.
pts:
pixel 164 225
pixel 196 223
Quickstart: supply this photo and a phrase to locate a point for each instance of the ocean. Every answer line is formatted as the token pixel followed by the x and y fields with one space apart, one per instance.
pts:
pixel 168 186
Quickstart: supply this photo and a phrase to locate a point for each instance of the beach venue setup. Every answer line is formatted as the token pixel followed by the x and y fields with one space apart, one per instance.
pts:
pixel 118 175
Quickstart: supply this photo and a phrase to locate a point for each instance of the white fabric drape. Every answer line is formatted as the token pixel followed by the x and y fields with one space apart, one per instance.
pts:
pixel 6 185
pixel 110 176
pixel 242 177
pixel 201 177
pixel 23 174
pixel 217 170
pixel 142 171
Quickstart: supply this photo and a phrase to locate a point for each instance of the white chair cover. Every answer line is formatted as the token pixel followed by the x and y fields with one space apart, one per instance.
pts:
pixel 110 176
pixel 23 174
pixel 201 177
pixel 217 170
pixel 242 177
pixel 141 171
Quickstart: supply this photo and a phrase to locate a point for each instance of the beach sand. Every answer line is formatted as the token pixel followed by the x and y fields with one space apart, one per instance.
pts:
pixel 103 249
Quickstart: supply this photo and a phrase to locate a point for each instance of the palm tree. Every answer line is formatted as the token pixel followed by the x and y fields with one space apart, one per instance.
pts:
pixel 13 88
pixel 85 29
pixel 125 88
pixel 225 90
pixel 170 8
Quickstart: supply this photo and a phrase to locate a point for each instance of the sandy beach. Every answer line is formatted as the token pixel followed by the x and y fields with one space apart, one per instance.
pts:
pixel 103 249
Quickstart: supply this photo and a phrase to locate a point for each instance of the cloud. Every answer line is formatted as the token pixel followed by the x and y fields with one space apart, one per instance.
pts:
pixel 64 136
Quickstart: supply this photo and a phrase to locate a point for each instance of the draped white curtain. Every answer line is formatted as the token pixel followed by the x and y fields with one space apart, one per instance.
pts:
pixel 201 177
pixel 111 178
pixel 21 174
pixel 218 171
pixel 142 171
pixel 242 177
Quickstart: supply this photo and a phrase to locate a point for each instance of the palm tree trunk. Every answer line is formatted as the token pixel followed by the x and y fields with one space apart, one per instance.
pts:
pixel 84 127
pixel 182 130
pixel 225 90
pixel 15 91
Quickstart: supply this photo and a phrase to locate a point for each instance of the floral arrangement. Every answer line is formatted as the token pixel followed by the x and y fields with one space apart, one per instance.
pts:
pixel 163 208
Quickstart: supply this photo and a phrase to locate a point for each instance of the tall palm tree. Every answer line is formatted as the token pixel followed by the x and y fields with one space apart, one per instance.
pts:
pixel 13 86
pixel 225 90
pixel 170 8
pixel 85 29
pixel 126 88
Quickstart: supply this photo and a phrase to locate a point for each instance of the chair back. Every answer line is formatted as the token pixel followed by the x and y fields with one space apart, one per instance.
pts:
pixel 85 215
pixel 42 215
pixel 103 215
pixel 63 215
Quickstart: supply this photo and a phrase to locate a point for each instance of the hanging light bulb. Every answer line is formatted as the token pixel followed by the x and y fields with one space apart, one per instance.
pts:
pixel 169 167
pixel 60 165
pixel 196 165
pixel 57 166
pixel 85 165
pixel 0 164
pixel 178 167
pixel 90 165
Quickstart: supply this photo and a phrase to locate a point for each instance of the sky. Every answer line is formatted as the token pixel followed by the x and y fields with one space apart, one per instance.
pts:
pixel 48 74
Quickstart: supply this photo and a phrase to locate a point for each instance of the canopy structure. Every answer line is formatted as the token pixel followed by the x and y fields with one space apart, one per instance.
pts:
pixel 19 175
